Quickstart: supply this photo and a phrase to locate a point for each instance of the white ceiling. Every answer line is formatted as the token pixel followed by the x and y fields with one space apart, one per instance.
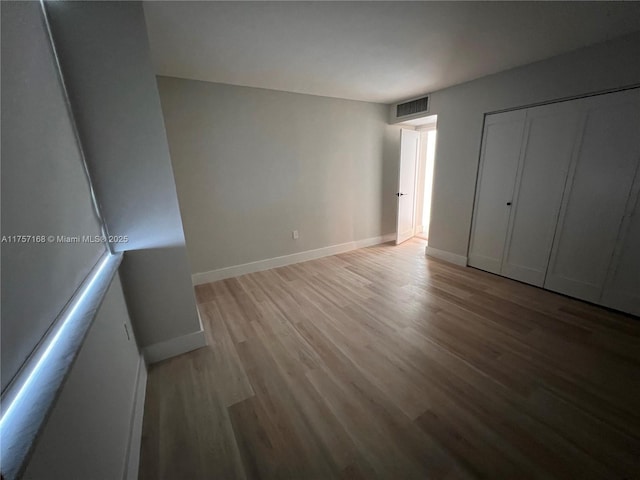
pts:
pixel 371 51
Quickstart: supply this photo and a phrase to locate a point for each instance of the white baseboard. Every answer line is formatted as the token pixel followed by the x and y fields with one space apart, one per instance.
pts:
pixel 175 346
pixel 446 256
pixel 260 265
pixel 135 436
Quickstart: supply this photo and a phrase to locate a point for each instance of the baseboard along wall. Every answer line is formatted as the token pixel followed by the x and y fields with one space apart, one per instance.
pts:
pixel 446 256
pixel 175 346
pixel 260 265
pixel 132 463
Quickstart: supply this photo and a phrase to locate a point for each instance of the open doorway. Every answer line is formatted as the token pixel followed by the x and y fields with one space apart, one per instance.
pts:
pixel 426 163
pixel 417 160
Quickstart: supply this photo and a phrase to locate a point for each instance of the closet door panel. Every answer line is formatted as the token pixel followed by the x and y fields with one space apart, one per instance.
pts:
pixel 596 196
pixel 622 291
pixel 550 136
pixel 498 166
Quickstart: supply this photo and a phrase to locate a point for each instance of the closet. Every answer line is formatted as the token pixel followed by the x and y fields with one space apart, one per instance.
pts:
pixel 557 198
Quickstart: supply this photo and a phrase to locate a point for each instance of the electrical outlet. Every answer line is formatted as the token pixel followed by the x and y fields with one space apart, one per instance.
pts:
pixel 294 234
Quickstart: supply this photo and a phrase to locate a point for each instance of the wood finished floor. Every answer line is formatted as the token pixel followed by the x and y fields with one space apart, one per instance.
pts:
pixel 383 364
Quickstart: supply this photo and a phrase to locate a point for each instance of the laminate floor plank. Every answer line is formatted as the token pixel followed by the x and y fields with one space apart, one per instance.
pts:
pixel 381 363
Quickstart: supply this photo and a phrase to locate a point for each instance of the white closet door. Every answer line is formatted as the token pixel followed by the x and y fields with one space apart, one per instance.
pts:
pixel 498 166
pixel 549 139
pixel 622 290
pixel 596 196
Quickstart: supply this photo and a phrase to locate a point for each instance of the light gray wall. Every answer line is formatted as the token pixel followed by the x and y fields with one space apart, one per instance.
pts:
pixel 148 301
pixel 252 165
pixel 105 59
pixel 88 431
pixel 461 112
pixel 44 188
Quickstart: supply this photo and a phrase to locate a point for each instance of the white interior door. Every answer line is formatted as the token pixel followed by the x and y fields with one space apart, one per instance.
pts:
pixel 409 141
pixel 499 160
pixel 596 196
pixel 550 135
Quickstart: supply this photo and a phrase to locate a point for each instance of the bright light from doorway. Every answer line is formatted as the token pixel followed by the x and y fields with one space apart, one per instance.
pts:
pixel 428 181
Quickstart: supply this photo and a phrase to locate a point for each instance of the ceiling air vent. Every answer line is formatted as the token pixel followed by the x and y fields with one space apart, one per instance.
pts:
pixel 409 109
pixel 412 107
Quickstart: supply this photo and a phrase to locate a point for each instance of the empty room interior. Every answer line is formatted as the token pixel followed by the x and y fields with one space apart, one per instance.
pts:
pixel 320 240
